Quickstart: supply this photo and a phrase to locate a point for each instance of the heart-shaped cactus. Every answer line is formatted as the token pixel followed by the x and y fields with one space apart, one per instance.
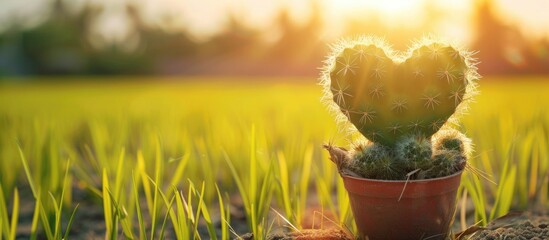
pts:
pixel 386 95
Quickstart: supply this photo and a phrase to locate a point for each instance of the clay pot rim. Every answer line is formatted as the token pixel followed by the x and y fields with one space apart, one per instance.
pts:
pixel 401 181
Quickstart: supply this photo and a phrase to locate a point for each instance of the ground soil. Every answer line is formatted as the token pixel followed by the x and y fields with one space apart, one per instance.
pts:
pixel 306 234
pixel 312 234
pixel 516 225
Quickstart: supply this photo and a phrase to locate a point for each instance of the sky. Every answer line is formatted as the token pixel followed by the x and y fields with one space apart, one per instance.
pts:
pixel 204 18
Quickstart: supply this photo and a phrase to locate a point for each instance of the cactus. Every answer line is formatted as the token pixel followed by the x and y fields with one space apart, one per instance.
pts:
pixel 387 96
pixel 374 161
pixel 451 151
pixel 444 163
pixel 398 102
pixel 451 139
pixel 446 155
pixel 416 151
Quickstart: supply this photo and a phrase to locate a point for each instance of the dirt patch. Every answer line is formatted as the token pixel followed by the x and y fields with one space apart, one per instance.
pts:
pixel 306 234
pixel 314 234
pixel 517 225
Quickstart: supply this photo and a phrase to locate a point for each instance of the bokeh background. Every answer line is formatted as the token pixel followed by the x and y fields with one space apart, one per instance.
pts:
pixel 247 37
pixel 115 96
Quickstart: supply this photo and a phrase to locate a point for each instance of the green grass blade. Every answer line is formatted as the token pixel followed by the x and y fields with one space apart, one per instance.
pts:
pixel 198 210
pixel 506 186
pixel 180 169
pixel 284 185
pixel 27 171
pixel 119 175
pixel 107 208
pixel 69 224
pixel 304 180
pixel 44 218
pixel 534 171
pixel 122 215
pixel 239 185
pixel 253 167
pixel 14 215
pixel 206 214
pixel 35 192
pixel 343 202
pixel 189 202
pixel 59 205
pixel 158 164
pixel 543 188
pixel 476 191
pixel 222 213
pixel 248 203
pixel 154 214
pixel 66 192
pixel 188 209
pixel 253 221
pixel 168 204
pixel 144 180
pixel 57 215
pixel 323 191
pixel 505 194
pixel 140 223
pixel 227 222
pixel 168 212
pixel 35 218
pixel 4 219
pixel 180 224
pixel 265 193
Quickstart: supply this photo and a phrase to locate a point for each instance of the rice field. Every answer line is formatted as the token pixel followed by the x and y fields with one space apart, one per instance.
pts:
pixel 212 158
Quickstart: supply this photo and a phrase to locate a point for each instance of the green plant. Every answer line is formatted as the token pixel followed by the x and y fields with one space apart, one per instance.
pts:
pixel 52 226
pixel 414 150
pixel 507 123
pixel 374 161
pixel 8 226
pixel 398 101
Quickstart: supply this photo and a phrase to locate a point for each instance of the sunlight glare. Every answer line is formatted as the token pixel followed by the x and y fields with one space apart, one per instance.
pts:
pixel 383 7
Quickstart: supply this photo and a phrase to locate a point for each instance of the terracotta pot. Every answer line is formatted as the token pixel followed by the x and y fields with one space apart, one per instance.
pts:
pixel 424 211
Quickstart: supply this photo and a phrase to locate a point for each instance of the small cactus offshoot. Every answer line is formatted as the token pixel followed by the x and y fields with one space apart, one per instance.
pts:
pixel 451 139
pixel 414 150
pixel 374 161
pixel 445 163
pixel 411 154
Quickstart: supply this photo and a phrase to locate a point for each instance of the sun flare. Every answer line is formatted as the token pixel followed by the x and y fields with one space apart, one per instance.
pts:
pixel 385 7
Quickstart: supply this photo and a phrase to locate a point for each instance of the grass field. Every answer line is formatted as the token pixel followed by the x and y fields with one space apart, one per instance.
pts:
pixel 169 158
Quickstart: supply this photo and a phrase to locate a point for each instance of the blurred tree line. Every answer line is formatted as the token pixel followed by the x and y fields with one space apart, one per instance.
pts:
pixel 503 49
pixel 63 45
